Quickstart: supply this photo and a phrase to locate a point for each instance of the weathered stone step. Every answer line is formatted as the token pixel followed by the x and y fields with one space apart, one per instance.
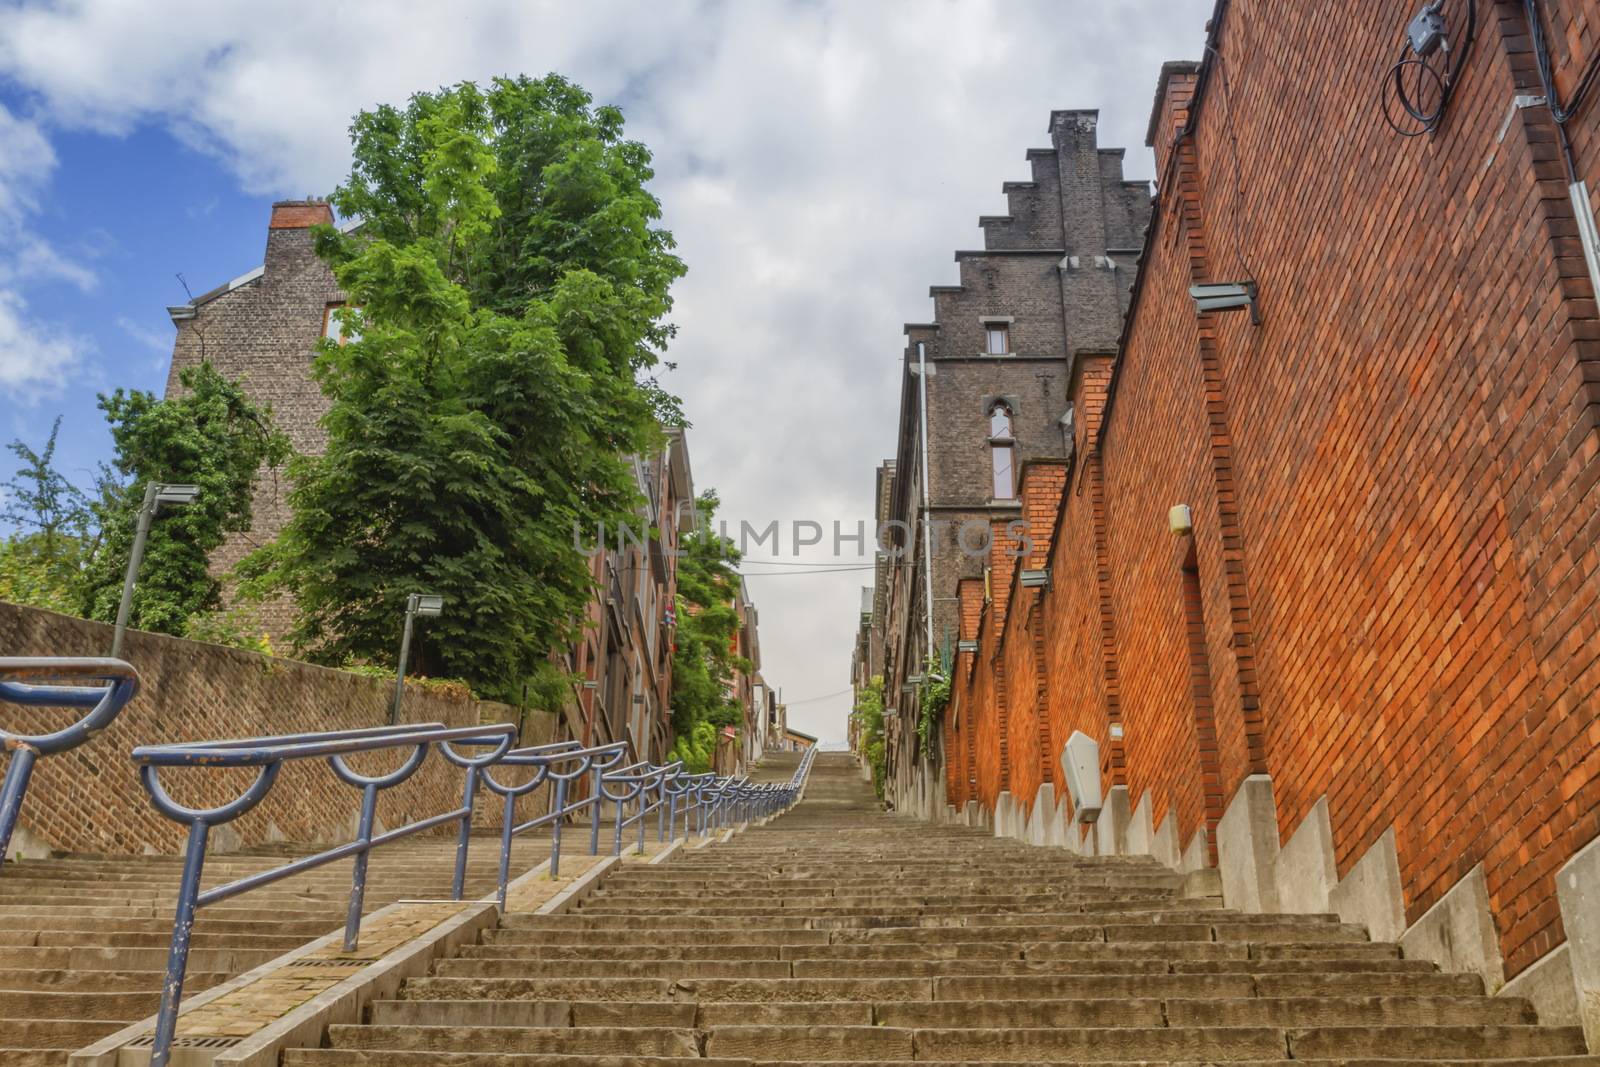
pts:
pixel 638 1040
pixel 56 1004
pixel 100 981
pixel 54 1033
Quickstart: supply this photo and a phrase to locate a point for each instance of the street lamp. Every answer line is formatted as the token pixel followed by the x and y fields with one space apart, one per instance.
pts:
pixel 155 494
pixel 427 606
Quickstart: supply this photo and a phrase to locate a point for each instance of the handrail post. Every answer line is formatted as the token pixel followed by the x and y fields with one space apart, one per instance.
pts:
pixel 18 770
pixel 595 814
pixel 194 861
pixel 508 824
pixel 358 877
pixel 469 794
pixel 555 828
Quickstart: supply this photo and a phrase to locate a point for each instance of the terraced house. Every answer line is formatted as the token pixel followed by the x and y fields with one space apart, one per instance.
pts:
pixel 1304 589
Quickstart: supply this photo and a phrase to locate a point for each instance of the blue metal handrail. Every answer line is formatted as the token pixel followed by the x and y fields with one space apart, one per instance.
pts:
pixel 20 683
pixel 267 755
pixel 634 784
pixel 562 763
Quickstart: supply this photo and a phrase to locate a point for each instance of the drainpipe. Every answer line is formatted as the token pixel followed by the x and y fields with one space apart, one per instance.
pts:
pixel 927 526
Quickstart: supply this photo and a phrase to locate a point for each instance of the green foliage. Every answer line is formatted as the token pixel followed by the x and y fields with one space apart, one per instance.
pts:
pixel 236 627
pixel 209 434
pixel 42 563
pixel 513 290
pixel 449 688
pixel 697 748
pixel 703 661
pixel 868 714
pixel 935 698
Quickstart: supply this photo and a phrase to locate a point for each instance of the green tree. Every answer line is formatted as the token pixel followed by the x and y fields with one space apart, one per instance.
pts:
pixel 210 435
pixel 703 660
pixel 868 714
pixel 512 291
pixel 42 563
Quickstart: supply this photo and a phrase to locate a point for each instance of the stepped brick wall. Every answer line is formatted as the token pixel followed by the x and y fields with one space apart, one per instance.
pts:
pixel 90 799
pixel 1391 595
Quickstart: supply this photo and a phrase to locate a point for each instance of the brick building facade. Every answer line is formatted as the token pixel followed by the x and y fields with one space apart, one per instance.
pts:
pixel 263 327
pixel 1053 276
pixel 1358 667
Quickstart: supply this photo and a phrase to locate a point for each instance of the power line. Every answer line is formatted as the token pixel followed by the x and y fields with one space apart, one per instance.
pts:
pixel 813 700
pixel 801 574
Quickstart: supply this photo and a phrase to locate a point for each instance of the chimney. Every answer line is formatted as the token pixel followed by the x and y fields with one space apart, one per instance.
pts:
pixel 289 233
pixel 300 214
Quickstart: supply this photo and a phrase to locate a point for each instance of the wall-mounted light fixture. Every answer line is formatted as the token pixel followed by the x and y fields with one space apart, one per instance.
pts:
pixel 1180 520
pixel 1039 579
pixel 1226 296
pixel 966 645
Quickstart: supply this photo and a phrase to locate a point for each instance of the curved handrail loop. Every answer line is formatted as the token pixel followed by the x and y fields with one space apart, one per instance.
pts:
pixel 36 682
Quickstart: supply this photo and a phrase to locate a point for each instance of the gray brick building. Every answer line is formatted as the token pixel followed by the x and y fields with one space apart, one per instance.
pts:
pixel 1052 279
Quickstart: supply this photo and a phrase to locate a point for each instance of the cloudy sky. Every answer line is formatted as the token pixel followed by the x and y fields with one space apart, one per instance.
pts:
pixel 818 160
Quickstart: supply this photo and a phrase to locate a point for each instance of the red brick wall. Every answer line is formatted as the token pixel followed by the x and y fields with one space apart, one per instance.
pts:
pixel 1393 479
pixel 90 799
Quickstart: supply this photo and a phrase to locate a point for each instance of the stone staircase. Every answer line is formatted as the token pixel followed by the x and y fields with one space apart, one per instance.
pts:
pixel 838 934
pixel 83 939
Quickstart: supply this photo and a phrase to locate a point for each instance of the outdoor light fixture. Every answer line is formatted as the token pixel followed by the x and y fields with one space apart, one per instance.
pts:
pixel 966 646
pixel 1226 296
pixel 1180 520
pixel 1035 579
pixel 427 605
pixel 155 494
pixel 177 494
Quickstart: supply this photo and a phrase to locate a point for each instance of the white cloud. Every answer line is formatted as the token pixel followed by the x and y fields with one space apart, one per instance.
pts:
pixel 35 358
pixel 818 163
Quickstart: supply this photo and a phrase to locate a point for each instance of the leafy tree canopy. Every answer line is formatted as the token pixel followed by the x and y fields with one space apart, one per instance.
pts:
pixel 512 287
pixel 209 434
pixel 703 658
pixel 42 563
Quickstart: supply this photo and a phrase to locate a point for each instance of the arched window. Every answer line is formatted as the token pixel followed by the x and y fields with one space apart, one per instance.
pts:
pixel 1002 451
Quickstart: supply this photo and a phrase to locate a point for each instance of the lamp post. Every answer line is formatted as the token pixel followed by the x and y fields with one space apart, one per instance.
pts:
pixel 416 604
pixel 155 494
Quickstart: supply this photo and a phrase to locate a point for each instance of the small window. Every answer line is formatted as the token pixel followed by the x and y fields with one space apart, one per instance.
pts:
pixel 1000 423
pixel 336 331
pixel 1005 482
pixel 997 339
pixel 1002 451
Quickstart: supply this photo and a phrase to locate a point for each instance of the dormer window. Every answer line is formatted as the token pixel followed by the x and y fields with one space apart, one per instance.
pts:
pixel 997 338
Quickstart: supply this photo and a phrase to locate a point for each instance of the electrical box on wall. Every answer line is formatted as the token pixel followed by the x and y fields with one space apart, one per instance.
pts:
pixel 1080 765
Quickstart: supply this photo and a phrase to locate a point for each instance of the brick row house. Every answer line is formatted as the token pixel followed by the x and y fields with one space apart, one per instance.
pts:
pixel 1305 574
pixel 1053 276
pixel 262 328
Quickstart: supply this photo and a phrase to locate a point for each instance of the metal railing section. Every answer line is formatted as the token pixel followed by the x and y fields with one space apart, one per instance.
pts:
pixel 704 803
pixel 561 764
pixel 55 682
pixel 268 755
